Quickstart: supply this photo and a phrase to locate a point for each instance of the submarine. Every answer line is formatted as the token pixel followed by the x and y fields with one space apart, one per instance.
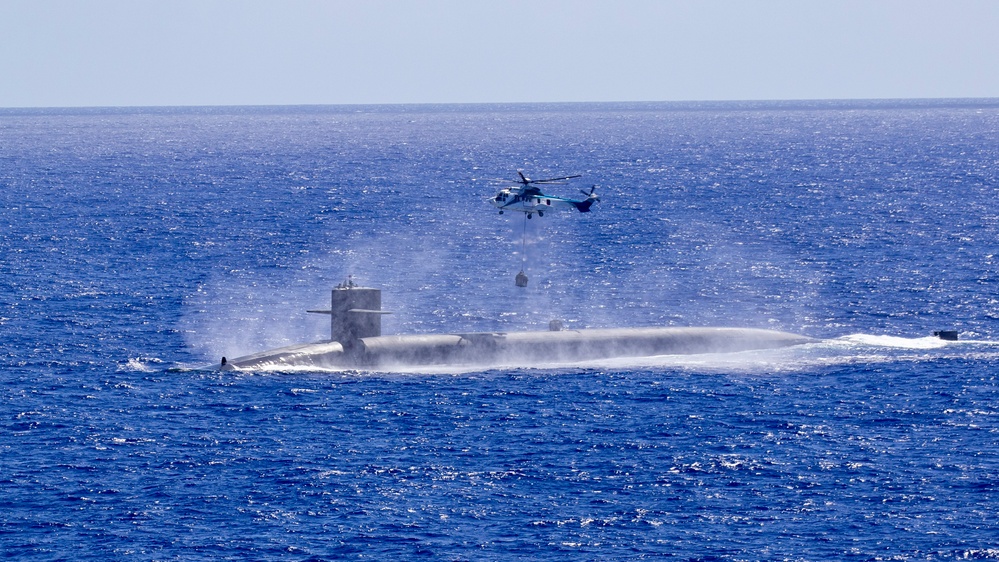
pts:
pixel 356 342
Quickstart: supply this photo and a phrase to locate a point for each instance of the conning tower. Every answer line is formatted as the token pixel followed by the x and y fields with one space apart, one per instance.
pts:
pixel 355 312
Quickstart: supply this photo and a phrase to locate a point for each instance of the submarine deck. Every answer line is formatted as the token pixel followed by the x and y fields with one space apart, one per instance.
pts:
pixel 516 348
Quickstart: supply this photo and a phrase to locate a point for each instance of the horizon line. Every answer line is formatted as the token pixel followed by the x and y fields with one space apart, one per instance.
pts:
pixel 825 101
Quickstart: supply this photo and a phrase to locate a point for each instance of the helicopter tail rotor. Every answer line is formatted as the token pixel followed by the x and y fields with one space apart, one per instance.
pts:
pixel 590 194
pixel 591 198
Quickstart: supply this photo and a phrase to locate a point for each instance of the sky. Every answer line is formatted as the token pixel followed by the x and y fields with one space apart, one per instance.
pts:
pixel 75 53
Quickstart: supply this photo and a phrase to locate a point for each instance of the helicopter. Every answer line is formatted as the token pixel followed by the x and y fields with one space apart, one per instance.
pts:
pixel 527 197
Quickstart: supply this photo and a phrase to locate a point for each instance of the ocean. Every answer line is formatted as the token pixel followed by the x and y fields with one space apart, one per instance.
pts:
pixel 142 244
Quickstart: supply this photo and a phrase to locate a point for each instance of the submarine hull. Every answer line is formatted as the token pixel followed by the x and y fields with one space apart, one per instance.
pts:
pixel 516 348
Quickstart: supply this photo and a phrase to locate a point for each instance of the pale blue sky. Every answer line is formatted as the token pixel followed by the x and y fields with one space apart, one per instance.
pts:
pixel 239 52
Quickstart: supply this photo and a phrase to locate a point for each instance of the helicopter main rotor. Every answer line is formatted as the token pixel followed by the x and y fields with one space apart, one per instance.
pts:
pixel 527 181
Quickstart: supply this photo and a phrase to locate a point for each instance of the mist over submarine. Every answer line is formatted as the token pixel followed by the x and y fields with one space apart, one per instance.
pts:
pixel 356 341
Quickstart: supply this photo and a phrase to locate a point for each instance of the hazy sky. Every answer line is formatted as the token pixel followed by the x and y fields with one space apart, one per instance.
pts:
pixel 236 52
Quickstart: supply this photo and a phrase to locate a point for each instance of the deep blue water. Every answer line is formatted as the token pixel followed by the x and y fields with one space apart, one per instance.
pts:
pixel 140 243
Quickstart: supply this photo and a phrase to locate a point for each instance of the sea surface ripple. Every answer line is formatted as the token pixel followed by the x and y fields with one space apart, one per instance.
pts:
pixel 140 244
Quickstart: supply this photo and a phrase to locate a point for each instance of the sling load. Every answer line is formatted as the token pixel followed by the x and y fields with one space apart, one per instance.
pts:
pixel 521 279
pixel 526 197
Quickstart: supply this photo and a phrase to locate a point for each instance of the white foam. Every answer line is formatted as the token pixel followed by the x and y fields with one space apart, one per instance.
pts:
pixel 929 342
pixel 142 365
